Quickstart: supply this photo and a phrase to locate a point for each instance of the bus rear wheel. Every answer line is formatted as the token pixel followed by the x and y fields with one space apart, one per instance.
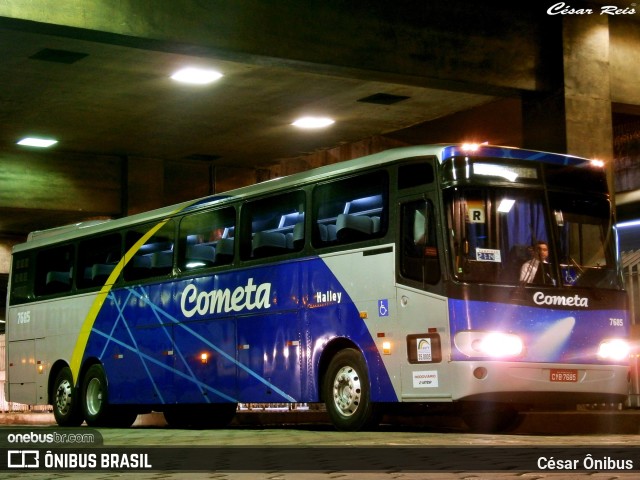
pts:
pixel 347 394
pixel 66 407
pixel 95 402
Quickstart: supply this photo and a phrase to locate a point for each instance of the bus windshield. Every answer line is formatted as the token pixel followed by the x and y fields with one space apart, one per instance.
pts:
pixel 496 233
pixel 586 243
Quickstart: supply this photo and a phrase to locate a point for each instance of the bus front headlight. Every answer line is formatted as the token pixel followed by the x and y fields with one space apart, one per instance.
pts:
pixel 615 349
pixel 489 344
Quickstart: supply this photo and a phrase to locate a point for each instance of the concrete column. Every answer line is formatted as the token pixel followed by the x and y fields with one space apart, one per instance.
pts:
pixel 587 86
pixel 573 114
pixel 543 121
pixel 6 244
pixel 543 109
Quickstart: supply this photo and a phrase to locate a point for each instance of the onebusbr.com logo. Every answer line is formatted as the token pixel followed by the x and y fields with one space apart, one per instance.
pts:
pixel 31 438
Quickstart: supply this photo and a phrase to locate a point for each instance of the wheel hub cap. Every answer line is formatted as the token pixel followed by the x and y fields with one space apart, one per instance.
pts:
pixel 63 397
pixel 347 391
pixel 94 396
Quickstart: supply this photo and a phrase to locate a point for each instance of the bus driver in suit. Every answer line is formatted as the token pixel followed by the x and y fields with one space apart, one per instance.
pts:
pixel 537 269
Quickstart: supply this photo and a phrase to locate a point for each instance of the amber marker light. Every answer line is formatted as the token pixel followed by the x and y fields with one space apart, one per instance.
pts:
pixel 470 147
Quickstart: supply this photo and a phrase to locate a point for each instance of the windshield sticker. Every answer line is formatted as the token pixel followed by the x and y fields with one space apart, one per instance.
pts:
pixel 488 255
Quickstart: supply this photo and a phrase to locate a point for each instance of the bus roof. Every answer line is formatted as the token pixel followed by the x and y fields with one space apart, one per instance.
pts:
pixel 440 151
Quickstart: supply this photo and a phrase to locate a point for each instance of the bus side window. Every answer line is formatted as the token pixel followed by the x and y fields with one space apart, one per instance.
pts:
pixel 155 257
pixel 415 175
pixel 20 278
pixel 97 259
pixel 419 249
pixel 207 239
pixel 54 270
pixel 350 210
pixel 273 226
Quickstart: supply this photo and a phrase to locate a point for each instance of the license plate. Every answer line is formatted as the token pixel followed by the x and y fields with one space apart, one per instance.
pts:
pixel 563 375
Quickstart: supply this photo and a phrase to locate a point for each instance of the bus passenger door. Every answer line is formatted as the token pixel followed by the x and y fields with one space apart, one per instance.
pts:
pixel 422 309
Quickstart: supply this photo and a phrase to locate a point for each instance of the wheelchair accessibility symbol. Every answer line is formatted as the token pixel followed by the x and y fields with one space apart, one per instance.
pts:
pixel 383 308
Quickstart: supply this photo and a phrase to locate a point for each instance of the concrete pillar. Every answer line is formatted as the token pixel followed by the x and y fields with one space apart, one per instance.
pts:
pixel 543 109
pixel 573 115
pixel 543 121
pixel 588 89
pixel 6 244
pixel 587 86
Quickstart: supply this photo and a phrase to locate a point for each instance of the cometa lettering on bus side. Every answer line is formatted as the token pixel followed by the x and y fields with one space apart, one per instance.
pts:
pixel 248 297
pixel 576 301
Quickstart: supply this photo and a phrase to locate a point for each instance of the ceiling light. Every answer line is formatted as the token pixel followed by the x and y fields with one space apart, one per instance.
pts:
pixel 37 142
pixel 198 76
pixel 313 122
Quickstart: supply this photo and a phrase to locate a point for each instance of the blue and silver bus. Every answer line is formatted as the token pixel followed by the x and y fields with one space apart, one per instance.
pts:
pixel 400 280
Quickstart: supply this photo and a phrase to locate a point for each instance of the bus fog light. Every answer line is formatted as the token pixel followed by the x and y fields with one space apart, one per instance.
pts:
pixel 614 349
pixel 489 344
pixel 497 344
pixel 480 373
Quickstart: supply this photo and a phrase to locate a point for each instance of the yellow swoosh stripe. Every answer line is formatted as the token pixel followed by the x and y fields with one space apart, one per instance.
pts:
pixel 87 325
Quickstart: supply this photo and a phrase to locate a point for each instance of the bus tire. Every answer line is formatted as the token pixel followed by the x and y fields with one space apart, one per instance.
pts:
pixel 67 409
pixel 95 402
pixel 95 396
pixel 347 393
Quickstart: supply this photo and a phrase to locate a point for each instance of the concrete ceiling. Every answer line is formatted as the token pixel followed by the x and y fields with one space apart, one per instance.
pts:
pixel 95 76
pixel 104 97
pixel 118 100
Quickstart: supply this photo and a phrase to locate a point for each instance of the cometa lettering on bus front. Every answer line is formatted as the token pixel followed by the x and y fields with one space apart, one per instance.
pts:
pixel 248 297
pixel 568 301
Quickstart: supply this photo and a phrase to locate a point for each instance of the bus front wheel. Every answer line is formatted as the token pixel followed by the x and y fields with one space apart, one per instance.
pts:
pixel 347 393
pixel 66 407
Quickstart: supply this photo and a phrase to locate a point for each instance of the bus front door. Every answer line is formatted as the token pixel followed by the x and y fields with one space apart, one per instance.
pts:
pixel 422 310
